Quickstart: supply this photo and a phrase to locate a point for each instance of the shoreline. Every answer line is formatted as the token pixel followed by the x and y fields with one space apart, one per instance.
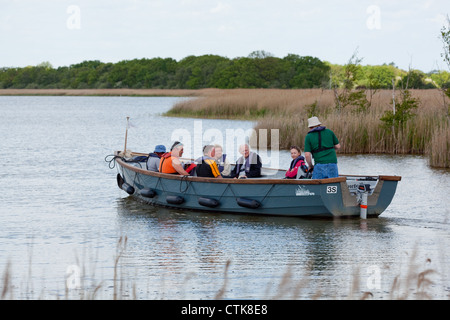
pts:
pixel 105 92
pixel 426 133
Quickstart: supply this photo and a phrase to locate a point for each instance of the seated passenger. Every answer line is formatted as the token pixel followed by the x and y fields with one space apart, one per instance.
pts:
pixel 206 165
pixel 170 162
pixel 222 161
pixel 298 168
pixel 154 157
pixel 248 165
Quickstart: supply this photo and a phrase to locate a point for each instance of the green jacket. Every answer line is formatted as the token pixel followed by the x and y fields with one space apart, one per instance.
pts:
pixel 320 141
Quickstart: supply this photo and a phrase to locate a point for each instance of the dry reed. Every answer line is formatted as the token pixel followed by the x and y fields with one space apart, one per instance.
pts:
pixel 6 283
pixel 358 131
pixel 439 149
pixel 287 110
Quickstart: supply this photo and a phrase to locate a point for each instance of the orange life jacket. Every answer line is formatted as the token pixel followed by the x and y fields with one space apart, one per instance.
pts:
pixel 165 164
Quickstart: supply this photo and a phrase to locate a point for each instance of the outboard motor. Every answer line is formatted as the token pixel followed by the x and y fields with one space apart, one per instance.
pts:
pixel 363 192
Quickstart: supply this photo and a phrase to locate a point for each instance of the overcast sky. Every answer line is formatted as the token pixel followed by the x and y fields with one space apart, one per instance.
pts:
pixel 68 32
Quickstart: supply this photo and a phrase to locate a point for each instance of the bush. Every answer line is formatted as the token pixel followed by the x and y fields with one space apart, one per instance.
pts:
pixel 403 111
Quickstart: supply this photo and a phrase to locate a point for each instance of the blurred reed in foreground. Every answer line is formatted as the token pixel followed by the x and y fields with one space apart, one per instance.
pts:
pixel 419 282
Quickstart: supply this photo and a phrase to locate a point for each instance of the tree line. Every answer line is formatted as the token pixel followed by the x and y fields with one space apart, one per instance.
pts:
pixel 258 70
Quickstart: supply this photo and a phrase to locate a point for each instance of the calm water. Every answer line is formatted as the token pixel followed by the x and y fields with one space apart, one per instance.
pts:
pixel 62 218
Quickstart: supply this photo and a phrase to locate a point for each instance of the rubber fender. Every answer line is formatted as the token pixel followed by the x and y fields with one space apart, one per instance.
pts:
pixel 174 199
pixel 248 203
pixel 127 188
pixel 120 180
pixel 212 203
pixel 148 193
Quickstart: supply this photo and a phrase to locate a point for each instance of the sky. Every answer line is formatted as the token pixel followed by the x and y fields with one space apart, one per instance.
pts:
pixel 405 32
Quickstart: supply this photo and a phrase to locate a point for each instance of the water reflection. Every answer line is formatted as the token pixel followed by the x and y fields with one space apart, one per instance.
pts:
pixel 60 193
pixel 261 249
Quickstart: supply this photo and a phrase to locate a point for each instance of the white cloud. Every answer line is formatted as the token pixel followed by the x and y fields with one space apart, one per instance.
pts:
pixel 226 28
pixel 428 3
pixel 220 8
pixel 439 19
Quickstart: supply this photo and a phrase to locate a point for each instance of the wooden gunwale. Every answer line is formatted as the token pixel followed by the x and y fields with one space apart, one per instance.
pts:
pixel 245 181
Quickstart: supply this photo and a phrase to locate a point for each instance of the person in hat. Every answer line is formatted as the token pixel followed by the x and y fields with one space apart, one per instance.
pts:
pixel 154 157
pixel 321 145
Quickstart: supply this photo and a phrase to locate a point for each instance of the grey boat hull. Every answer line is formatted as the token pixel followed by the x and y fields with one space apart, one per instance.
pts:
pixel 336 197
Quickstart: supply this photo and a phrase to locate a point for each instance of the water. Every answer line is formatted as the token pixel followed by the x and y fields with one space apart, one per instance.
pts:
pixel 65 224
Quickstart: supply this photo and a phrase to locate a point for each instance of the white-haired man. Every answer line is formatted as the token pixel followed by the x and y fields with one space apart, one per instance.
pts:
pixel 248 165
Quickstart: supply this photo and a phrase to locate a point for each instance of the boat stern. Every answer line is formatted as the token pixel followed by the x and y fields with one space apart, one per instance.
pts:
pixel 358 194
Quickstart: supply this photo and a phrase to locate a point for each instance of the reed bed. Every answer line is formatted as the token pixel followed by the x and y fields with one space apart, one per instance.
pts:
pixel 439 149
pixel 359 131
pixel 249 103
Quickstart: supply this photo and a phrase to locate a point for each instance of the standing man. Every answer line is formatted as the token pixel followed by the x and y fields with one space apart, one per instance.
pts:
pixel 321 144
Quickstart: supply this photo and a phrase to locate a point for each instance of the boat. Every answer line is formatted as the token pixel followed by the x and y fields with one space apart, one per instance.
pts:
pixel 345 196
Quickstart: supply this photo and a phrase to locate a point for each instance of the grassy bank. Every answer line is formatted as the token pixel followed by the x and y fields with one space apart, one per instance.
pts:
pixel 359 131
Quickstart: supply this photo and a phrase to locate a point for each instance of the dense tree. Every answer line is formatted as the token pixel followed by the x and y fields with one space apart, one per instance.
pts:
pixel 416 79
pixel 378 76
pixel 306 72
pixel 260 69
pixel 199 72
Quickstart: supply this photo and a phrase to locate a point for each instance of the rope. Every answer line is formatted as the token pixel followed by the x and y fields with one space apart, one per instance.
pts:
pixel 187 183
pixel 112 162
pixel 267 193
